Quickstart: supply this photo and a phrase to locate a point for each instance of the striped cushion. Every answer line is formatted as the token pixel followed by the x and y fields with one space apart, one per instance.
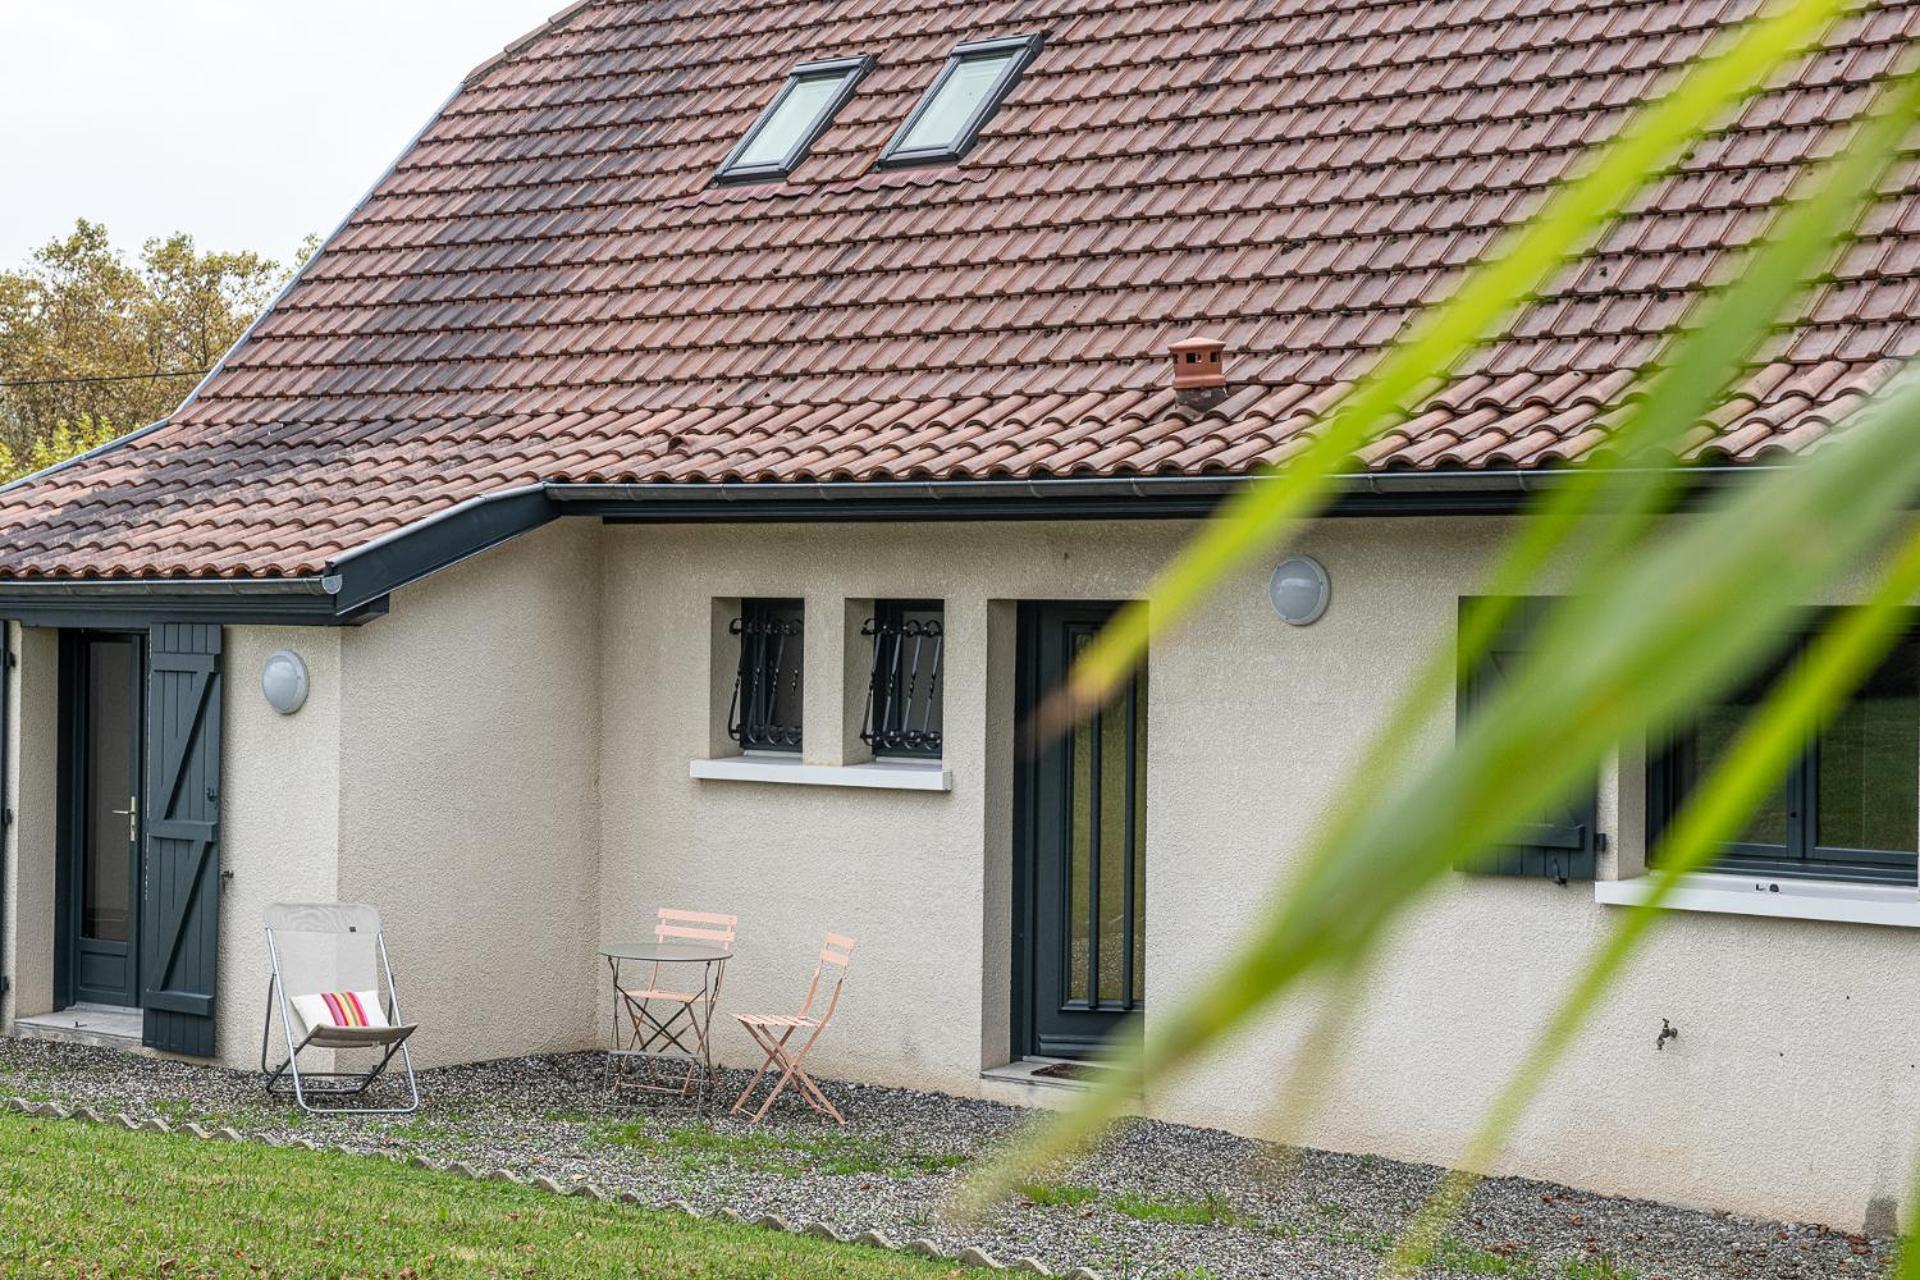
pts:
pixel 340 1009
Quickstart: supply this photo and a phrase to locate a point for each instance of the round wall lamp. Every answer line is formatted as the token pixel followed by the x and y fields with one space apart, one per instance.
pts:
pixel 283 680
pixel 1299 590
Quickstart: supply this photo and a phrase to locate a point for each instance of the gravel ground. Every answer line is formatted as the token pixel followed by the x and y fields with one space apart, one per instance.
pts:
pixel 1156 1200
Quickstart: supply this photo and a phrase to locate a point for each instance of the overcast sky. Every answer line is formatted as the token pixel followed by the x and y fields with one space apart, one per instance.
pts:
pixel 247 123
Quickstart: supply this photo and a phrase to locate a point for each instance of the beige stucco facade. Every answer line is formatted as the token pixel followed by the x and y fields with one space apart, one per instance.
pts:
pixel 1792 1090
pixel 503 766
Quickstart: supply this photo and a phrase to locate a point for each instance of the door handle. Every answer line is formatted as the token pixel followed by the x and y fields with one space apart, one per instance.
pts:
pixel 132 814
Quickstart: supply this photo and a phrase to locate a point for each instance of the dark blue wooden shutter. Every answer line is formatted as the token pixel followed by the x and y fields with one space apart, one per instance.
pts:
pixel 180 888
pixel 1564 847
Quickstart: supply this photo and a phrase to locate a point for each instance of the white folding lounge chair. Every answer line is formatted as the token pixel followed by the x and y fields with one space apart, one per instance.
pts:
pixel 328 960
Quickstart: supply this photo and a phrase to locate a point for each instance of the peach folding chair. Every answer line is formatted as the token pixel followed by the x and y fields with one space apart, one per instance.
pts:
pixel 667 1022
pixel 773 1032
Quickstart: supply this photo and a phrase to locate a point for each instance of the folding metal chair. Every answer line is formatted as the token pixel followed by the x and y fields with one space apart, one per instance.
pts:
pixel 327 963
pixel 773 1031
pixel 664 1021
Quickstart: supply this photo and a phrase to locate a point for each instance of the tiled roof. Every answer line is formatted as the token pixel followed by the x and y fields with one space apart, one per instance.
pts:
pixel 548 286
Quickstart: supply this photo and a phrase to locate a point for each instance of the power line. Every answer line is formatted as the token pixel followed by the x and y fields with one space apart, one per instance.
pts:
pixel 104 377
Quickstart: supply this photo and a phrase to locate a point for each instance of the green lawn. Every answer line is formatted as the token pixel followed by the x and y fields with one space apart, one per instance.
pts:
pixel 93 1200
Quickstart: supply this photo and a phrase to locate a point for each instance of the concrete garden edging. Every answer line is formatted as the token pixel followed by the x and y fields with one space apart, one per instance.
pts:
pixel 970 1256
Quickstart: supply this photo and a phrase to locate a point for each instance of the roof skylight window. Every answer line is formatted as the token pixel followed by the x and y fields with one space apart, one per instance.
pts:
pixel 780 139
pixel 969 89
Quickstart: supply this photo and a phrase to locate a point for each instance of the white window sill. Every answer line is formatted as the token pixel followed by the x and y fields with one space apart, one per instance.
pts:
pixel 1739 895
pixel 886 775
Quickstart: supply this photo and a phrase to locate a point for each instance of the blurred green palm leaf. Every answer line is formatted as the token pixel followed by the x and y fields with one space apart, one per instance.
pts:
pixel 1655 619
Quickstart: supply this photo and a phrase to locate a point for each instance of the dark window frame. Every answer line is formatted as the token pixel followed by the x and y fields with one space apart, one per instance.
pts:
pixel 905 680
pixel 1024 49
pixel 766 629
pixel 1802 857
pixel 849 71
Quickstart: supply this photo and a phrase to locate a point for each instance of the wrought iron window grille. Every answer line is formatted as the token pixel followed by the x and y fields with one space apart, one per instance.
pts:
pixel 903 716
pixel 765 712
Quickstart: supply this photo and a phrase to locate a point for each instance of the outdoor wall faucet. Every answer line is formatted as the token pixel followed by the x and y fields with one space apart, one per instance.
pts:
pixel 1667 1033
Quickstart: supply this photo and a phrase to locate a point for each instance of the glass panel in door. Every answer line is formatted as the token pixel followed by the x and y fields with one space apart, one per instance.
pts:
pixel 104 844
pixel 1085 966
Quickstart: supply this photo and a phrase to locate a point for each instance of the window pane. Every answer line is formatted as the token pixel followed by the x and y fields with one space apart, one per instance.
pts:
pixel 1868 762
pixel 1699 754
pixel 105 896
pixel 1080 860
pixel 767 690
pixel 1140 839
pixel 904 715
pixel 922 676
pixel 786 651
pixel 799 110
pixel 943 123
pixel 1115 851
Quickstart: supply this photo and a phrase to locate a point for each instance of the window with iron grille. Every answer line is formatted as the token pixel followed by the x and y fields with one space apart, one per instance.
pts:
pixel 904 685
pixel 765 714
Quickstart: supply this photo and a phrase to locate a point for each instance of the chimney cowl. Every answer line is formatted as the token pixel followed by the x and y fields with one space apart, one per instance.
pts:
pixel 1199 372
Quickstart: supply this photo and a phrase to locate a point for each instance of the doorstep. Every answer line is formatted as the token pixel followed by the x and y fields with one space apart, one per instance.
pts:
pixel 1030 1083
pixel 99 1025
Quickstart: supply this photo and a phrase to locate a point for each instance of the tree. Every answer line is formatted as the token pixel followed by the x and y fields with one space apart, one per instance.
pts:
pixel 66 440
pixel 92 345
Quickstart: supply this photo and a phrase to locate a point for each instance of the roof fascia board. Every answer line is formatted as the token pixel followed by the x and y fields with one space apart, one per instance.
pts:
pixel 122 605
pixel 1140 498
pixel 438 542
pixel 356 588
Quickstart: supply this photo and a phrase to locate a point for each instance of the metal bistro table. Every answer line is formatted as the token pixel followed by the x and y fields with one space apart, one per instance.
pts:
pixel 664 1023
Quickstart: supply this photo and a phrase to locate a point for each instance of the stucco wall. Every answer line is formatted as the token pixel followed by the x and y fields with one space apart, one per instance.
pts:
pixel 469 750
pixel 502 766
pixel 29 844
pixel 280 814
pixel 1792 1090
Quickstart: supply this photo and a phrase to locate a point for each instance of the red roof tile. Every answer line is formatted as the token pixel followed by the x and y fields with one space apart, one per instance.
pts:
pixel 548 286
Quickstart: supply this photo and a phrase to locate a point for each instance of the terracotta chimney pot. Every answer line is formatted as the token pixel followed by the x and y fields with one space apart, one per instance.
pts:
pixel 1199 372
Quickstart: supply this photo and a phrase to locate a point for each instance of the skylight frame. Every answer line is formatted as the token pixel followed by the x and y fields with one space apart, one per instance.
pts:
pixel 1024 49
pixel 849 71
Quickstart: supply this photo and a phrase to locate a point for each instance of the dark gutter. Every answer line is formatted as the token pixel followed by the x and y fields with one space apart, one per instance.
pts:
pixel 300 602
pixel 1137 498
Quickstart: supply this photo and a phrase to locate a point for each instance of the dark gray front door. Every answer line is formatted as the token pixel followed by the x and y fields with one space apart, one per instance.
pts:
pixel 1081 886
pixel 105 701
